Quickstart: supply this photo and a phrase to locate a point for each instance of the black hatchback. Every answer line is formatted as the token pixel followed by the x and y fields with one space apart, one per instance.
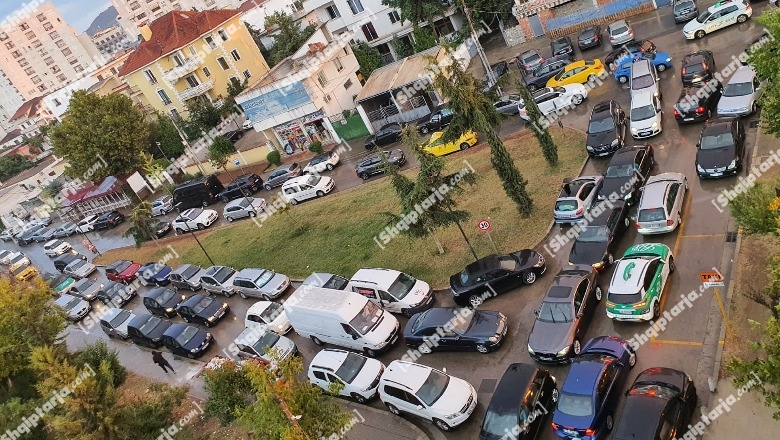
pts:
pixel 243 185
pixel 162 302
pixel 61 262
pixel 606 129
pixel 562 46
pixel 697 102
pixel 549 68
pixel 386 135
pixel 477 330
pixel 374 164
pixel 589 37
pixel 627 172
pixel 697 68
pixel 494 274
pixel 147 330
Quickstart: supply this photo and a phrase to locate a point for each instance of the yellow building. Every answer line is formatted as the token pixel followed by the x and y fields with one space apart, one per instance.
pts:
pixel 192 55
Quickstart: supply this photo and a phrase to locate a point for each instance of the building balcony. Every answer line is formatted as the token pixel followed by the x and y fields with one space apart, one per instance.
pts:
pixel 173 75
pixel 192 92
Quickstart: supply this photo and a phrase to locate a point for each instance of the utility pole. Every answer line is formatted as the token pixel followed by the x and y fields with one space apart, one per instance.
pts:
pixel 480 52
pixel 188 146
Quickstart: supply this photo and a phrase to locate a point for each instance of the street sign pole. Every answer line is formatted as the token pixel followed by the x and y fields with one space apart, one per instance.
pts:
pixel 491 241
pixel 484 225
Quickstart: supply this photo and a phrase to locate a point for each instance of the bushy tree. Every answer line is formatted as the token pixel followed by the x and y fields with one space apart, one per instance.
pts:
pixel 143 224
pixel 402 49
pixel 95 354
pixel 144 418
pixel 229 390
pixel 220 151
pixel 756 210
pixel 424 38
pixel 417 11
pixel 289 36
pixel 368 58
pixel 162 130
pixel 203 114
pixel 763 58
pixel 13 164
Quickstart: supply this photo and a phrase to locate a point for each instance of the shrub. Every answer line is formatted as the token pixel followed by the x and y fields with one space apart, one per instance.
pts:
pixel 229 389
pixel 99 352
pixel 274 158
pixel 316 147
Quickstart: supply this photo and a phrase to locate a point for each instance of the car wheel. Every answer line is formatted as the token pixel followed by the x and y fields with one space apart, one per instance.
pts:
pixel 201 227
pixel 554 395
pixel 656 309
pixel 753 109
pixel 242 294
pixel 475 301
pixel 364 176
pixel 591 78
pixel 252 214
pixel 742 18
pixel 610 259
pixel 293 202
pixel 407 313
pixel 424 130
pixel 609 423
pixel 661 67
pixel 329 167
pixel 267 187
pixel 441 424
pixel 622 79
pixel 699 34
pixel 577 99
pixel 359 398
pixel 320 193
pixel 599 294
pixel 424 349
pixel 317 341
pixel 230 219
pixel 482 348
pixel 205 203
pixel 631 360
pixel 393 409
pixel 672 267
pixel 464 146
pixel 369 352
pixel 208 324
pixel 179 231
pixel 576 347
pixel 532 88
pixel 529 277
pixel 627 222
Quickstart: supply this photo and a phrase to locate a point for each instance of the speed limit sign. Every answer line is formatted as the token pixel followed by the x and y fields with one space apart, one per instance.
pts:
pixel 484 225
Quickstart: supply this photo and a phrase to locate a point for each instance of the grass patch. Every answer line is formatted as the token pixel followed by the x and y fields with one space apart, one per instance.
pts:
pixel 336 234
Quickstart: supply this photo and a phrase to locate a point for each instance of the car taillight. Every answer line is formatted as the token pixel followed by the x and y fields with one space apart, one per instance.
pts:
pixel 669 222
pixel 704 66
pixel 555 426
pixel 683 71
pixel 700 109
pixel 590 432
pixel 676 113
pixel 611 38
pixel 630 32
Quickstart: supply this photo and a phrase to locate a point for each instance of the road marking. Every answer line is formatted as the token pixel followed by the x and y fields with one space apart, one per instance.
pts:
pixel 722 311
pixel 703 236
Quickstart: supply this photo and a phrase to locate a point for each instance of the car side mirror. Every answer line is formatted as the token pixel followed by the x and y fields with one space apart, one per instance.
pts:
pixel 536 312
pixel 420 407
pixel 354 336
pixel 698 146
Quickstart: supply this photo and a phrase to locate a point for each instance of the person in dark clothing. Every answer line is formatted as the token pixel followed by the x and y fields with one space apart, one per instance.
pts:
pixel 158 359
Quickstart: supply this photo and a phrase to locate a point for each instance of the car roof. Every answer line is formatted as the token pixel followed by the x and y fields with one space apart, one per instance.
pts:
pixel 111 314
pixel 601 219
pixel 583 377
pixel 297 180
pixel 575 185
pixel 436 316
pixel 572 65
pixel 64 299
pixel 317 279
pixel 250 273
pixel 645 413
pixel 629 275
pixel 382 277
pixel 653 194
pixel 184 267
pixel 330 358
pixel 194 299
pixel 510 391
pixel 258 307
pixel 623 156
pixel 408 374
pixel 483 265
pixel 694 58
pixel 642 98
pixel 743 74
pixel 139 320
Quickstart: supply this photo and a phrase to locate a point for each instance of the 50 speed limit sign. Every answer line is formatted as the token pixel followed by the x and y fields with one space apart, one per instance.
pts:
pixel 484 225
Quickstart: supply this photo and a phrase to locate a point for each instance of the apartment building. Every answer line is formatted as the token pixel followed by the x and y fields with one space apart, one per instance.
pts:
pixel 113 39
pixel 133 14
pixel 10 101
pixel 192 55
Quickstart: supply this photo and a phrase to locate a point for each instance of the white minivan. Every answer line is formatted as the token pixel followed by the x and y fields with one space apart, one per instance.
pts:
pixel 306 187
pixel 395 291
pixel 341 318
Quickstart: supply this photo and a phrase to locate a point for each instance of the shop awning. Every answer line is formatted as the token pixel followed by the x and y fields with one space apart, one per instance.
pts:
pixel 398 74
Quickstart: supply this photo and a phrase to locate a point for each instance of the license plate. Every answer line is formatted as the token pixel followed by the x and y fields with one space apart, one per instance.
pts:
pixel 626 312
pixel 569 432
pixel 716 174
pixel 688 119
pixel 655 226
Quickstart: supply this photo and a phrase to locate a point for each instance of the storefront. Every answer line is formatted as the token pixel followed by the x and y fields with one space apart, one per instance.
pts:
pixel 298 134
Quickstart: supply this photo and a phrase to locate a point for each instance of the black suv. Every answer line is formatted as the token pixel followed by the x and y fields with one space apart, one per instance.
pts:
pixel 243 185
pixel 549 68
pixel 562 46
pixel 606 129
pixel 697 67
pixel 109 220
pixel 438 120
pixel 721 148
pixel 388 134
pixel 629 168
pixel 697 102
pixel 373 164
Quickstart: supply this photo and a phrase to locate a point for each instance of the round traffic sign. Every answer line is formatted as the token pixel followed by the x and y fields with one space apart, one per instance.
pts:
pixel 483 225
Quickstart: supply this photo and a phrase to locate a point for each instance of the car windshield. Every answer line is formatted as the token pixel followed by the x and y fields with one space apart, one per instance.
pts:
pixel 556 312
pixel 641 82
pixel 620 30
pixel 20 269
pixel 54 244
pixel 313 180
pixel 72 303
pixel 566 205
pixel 531 58
pixel 83 285
pixel 642 113
pixel 367 318
pixel 193 214
pixel 186 335
pixel 319 159
pixel 166 296
pixel 78 264
pixel 559 44
pixel 593 234
pixel 682 6
pixel 738 89
pixel 655 390
pixel 336 282
pixel 122 266
pixel 499 424
pixel 713 142
pixel 190 272
pixel 202 304
pixel 433 387
pixel 271 312
pixel 626 170
pixel 651 215
pixel 245 202
pixel 401 286
pixel 264 278
pixel 350 368
pixel 703 16
pixel 18 258
pixel 577 405
pixel 223 274
pixel 266 341
pixel 119 318
pixel 150 325
pixel 694 68
pixel 601 125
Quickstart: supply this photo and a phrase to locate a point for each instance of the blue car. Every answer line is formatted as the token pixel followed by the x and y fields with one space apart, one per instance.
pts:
pixel 660 60
pixel 154 274
pixel 586 406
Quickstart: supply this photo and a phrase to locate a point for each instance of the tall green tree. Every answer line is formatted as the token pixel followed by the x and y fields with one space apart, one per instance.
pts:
pixel 14 164
pixel 756 210
pixel 220 151
pixel 424 38
pixel 402 49
pixel 417 11
pixel 546 142
pixel 474 111
pixel 104 135
pixel 368 58
pixel 288 37
pixel 763 58
pixel 143 224
pixel 162 130
pixel 203 113
pixel 229 390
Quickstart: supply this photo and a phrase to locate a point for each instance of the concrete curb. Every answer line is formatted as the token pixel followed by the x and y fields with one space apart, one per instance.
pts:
pixel 420 435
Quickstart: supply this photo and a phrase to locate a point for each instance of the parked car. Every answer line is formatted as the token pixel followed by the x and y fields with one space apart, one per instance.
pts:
pixel 637 285
pixel 114 322
pixel 537 79
pixel 562 46
pixel 629 164
pixel 55 248
pixel 394 291
pixel 122 270
pixel 268 315
pixel 306 187
pixel 6 235
pixel 154 274
pixel 357 375
pixel 495 274
pixel 161 228
pixel 740 96
pixel 194 218
pixel 447 401
pixel 718 16
pixel 242 186
pixel 60 284
pixel 260 283
pixel 6 255
pixel 43 221
pixel 186 276
pixel 326 280
pixel 522 399
pixel 386 135
pixel 620 32
pixel 86 289
pixel 147 330
pixel 646 115
pixel 321 163
pixel 281 175
pixel 247 125
pixel 109 220
pixel 697 67
pixel 87 223
pixel 598 240
pixel 528 60
pixel 18 259
pixel 66 230
pixel 162 206
pixel 24 273
pixel 187 340
pixel 606 129
pixel 202 309
pixel 479 330
pixel 592 389
pixel 162 301
pixel 25 238
pixel 721 148
pixel 552 99
pixel 643 77
pixel 659 60
pixel 438 147
pixel 660 208
pixel 575 198
pixel 439 119
pixel 32 226
pixel 43 235
pixel 258 344
pixel 74 308
pixel 499 69
pixel 507 105
pixel 661 400
pixel 589 37
pixel 200 192
pixel 698 102
pixel 116 294
pixel 79 269
pixel 563 317
pixel 218 280
pixel 61 262
pixel 373 164
pixel 685 11
pixel 243 207
pixel 577 72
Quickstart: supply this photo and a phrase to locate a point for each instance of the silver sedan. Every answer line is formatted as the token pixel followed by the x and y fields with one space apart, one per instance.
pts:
pixel 508 104
pixel 655 214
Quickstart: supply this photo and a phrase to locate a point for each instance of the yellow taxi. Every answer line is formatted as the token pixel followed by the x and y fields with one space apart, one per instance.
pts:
pixel 578 72
pixel 438 147
pixel 25 273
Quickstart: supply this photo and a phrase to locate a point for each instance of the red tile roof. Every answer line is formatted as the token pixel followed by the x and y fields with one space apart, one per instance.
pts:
pixel 250 4
pixel 172 31
pixel 28 109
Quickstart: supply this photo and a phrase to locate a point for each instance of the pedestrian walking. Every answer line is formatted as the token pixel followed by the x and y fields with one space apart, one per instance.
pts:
pixel 158 359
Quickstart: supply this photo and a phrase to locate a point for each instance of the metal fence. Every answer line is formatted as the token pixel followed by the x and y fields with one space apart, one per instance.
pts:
pixel 569 24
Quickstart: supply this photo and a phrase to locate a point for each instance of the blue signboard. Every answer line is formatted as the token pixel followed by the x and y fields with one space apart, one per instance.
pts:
pixel 276 102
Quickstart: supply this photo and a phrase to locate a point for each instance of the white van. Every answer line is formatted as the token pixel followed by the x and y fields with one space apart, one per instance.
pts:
pixel 395 291
pixel 305 187
pixel 341 318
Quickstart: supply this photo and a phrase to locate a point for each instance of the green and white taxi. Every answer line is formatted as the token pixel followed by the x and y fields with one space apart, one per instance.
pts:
pixel 638 282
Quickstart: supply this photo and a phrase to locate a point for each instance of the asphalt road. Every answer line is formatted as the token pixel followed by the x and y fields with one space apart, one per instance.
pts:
pixel 700 244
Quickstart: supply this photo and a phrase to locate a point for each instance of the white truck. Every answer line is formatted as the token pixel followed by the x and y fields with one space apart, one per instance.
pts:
pixel 394 291
pixel 341 318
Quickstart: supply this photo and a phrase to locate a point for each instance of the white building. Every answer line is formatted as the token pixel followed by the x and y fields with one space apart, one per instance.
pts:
pixel 133 14
pixel 113 39
pixel 10 101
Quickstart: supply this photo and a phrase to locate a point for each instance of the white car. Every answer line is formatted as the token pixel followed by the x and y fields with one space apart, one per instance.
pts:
pixel 74 308
pixel 87 223
pixel 660 208
pixel 195 218
pixel 257 343
pixel 646 116
pixel 306 187
pixel 162 206
pixel 550 99
pixel 720 15
pixel 447 401
pixel 18 260
pixel 357 374
pixel 268 315
pixel 247 125
pixel 79 269
pixel 320 163
pixel 55 248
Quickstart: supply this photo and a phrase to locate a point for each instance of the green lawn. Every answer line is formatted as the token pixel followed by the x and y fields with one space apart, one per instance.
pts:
pixel 335 234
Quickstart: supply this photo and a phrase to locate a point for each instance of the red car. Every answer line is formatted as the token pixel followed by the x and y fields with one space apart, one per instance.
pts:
pixel 122 271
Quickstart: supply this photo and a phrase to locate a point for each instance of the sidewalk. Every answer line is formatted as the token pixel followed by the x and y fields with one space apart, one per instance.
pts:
pixel 748 416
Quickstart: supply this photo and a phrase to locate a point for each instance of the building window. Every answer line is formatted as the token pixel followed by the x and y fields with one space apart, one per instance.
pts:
pixel 206 72
pixel 49 61
pixel 322 79
pixel 16 54
pixel 356 6
pixel 55 69
pixel 134 5
pixel 36 79
pixel 369 31
pixel 193 51
pixel 443 27
pixel 60 44
pixel 247 74
pixel 223 63
pixel 223 34
pixel 24 26
pixel 348 84
pixel 100 78
pixel 78 68
pixel 150 76
pixel 23 62
pixel 175 114
pixel 61 77
pixel 73 60
pixel 57 102
pixel 210 42
pixel 41 17
pixel 192 80
pixel 339 66
pixel 332 11
pixel 3 36
pixel 9 45
pixel 235 55
pixel 41 88
pixel 47 27
pixel 394 17
pixel 37 43
pixel 326 98
pixel 54 35
pixel 29 71
pixel 164 97
pixel 30 35
pixel 66 51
